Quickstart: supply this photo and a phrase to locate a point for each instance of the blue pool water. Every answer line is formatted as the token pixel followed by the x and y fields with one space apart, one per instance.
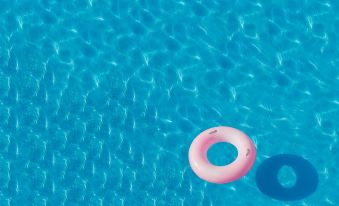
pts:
pixel 100 100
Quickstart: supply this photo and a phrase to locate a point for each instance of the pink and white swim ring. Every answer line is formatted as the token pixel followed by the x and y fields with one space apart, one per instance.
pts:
pixel 221 174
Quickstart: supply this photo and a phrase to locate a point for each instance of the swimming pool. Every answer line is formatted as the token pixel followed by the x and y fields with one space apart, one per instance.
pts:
pixel 100 100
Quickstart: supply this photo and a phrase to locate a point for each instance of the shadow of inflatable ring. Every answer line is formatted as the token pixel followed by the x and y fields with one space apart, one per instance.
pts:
pixel 306 177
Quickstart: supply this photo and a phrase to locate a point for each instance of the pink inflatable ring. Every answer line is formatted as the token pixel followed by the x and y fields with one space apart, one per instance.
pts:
pixel 221 174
